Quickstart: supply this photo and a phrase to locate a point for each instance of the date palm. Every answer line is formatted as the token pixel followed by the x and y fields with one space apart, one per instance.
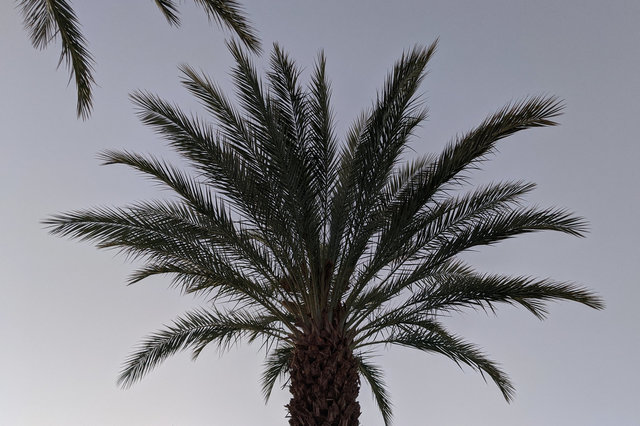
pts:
pixel 323 251
pixel 48 20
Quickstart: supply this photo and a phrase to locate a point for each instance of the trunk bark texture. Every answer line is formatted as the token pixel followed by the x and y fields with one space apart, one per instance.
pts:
pixel 324 381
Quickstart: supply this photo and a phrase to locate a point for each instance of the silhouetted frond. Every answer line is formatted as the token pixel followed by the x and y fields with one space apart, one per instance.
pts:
pixel 276 366
pixel 373 376
pixel 230 14
pixel 429 336
pixel 195 330
pixel 47 20
pixel 169 10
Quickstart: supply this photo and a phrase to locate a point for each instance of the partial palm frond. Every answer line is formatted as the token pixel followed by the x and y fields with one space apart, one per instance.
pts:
pixel 224 169
pixel 236 132
pixel 276 122
pixel 407 229
pixel 451 241
pixel 446 291
pixel 449 292
pixel 374 377
pixel 276 366
pixel 157 233
pixel 322 146
pixel 368 161
pixel 209 213
pixel 227 13
pixel 46 20
pixel 467 151
pixel 169 10
pixel 429 336
pixel 195 331
pixel 230 14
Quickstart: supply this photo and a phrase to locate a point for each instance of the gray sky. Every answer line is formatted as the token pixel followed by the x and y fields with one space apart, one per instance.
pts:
pixel 67 321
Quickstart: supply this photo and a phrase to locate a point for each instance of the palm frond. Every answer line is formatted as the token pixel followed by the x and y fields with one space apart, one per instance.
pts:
pixel 429 336
pixel 235 130
pixel 288 99
pixel 408 228
pixel 459 288
pixel 453 240
pixel 157 233
pixel 188 188
pixel 225 170
pixel 443 245
pixel 469 150
pixel 372 156
pixel 383 306
pixel 276 366
pixel 445 292
pixel 169 10
pixel 196 330
pixel 230 14
pixel 414 187
pixel 46 20
pixel 374 377
pixel 322 146
pixel 289 103
pixel 340 196
pixel 142 230
pixel 184 277
pixel 255 195
pixel 277 123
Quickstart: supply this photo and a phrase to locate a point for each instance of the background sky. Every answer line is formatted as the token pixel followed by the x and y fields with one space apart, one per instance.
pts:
pixel 67 320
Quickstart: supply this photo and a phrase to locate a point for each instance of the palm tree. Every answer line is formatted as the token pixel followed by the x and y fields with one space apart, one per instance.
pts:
pixel 46 20
pixel 321 251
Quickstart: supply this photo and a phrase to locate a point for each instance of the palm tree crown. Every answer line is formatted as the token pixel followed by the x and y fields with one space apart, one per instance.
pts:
pixel 323 251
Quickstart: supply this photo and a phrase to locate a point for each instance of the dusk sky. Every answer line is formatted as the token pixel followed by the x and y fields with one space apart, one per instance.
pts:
pixel 68 320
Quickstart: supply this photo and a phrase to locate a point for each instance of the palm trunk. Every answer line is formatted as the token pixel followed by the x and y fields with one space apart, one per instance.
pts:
pixel 324 381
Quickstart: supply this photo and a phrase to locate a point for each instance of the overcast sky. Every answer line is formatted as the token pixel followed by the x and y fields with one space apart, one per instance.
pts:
pixel 67 320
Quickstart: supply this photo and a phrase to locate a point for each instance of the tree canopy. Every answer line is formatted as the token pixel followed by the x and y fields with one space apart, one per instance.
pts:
pixel 323 251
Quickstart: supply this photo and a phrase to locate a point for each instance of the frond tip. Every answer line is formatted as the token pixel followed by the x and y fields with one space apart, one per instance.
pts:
pixel 48 20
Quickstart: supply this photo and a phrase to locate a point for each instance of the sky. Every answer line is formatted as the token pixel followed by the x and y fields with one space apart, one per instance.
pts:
pixel 68 321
